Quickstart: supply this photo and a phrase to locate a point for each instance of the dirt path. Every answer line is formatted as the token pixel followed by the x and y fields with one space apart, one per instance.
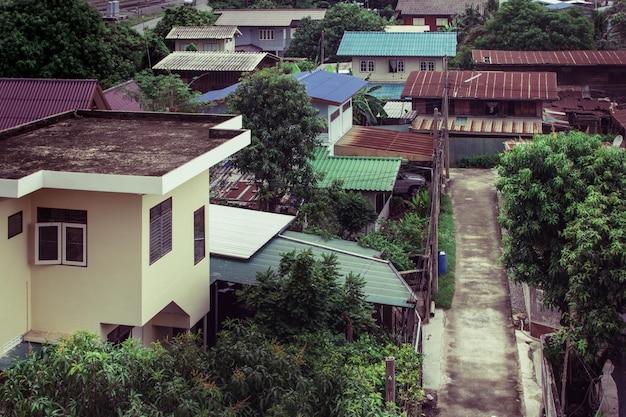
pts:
pixel 479 355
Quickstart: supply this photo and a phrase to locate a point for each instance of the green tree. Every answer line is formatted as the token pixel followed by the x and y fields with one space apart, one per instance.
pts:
pixel 163 92
pixel 183 16
pixel 65 39
pixel 344 17
pixel 528 26
pixel 354 212
pixel 307 40
pixel 565 211
pixel 285 128
pixel 367 108
pixel 304 296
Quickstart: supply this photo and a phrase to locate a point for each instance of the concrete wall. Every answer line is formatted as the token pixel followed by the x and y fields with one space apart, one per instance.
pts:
pixel 15 278
pixel 461 146
pixel 381 67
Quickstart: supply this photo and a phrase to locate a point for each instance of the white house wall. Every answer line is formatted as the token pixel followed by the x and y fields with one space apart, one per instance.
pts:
pixel 381 68
pixel 15 276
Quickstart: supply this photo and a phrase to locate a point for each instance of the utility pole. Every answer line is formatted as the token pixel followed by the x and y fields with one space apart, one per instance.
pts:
pixel 446 105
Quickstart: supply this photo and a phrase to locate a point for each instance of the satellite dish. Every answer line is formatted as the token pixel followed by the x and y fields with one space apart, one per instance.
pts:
pixel 617 142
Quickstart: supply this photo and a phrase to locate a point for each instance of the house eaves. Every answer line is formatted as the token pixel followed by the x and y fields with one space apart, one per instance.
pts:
pixel 383 283
pixel 433 7
pixel 397 44
pixel 106 151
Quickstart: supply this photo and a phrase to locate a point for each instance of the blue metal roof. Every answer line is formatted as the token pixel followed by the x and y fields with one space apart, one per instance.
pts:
pixel 330 87
pixel 324 86
pixel 398 44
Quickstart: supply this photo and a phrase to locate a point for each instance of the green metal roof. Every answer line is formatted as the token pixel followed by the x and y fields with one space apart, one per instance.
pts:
pixel 398 44
pixel 383 284
pixel 359 173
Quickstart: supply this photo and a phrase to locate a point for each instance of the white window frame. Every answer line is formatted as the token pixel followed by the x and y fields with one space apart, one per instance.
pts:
pixel 266 34
pixel 61 258
pixel 399 63
pixel 368 64
pixel 419 21
pixel 441 21
pixel 427 65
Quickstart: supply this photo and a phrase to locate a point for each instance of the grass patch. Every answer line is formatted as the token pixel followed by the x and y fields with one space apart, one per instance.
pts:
pixel 443 298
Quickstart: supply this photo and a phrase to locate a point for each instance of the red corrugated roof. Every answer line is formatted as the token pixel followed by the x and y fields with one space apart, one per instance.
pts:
pixel 487 57
pixel 120 97
pixel 482 85
pixel 24 100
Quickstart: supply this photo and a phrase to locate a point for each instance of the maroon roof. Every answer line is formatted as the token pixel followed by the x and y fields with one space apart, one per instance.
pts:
pixel 487 57
pixel 482 85
pixel 620 117
pixel 23 100
pixel 440 8
pixel 120 98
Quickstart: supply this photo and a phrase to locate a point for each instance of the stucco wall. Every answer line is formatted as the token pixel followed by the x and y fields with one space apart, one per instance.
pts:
pixel 15 275
pixel 381 68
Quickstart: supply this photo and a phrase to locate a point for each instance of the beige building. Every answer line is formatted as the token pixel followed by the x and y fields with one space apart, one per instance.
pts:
pixel 204 38
pixel 103 226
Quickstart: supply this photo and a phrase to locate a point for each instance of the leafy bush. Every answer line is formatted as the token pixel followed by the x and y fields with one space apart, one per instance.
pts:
pixel 480 161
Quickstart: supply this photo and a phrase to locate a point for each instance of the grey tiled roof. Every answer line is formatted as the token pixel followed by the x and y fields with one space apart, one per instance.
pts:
pixel 266 17
pixel 211 61
pixel 203 32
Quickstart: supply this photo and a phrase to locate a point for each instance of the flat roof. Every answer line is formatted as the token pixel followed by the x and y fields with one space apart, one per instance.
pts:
pixel 104 150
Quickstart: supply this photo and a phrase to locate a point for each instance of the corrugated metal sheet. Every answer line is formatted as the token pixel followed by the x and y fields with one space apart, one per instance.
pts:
pixel 482 125
pixel 440 8
pixel 570 58
pixel 321 86
pixel 383 284
pixel 400 110
pixel 265 17
pixel 24 100
pixel 482 85
pixel 330 87
pixel 398 44
pixel 371 141
pixel 211 61
pixel 357 173
pixel 229 224
pixel 120 98
pixel 203 32
pixel 620 117
pixel 387 91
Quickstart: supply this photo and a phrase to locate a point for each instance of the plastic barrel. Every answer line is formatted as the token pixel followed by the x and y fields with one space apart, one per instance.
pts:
pixel 443 263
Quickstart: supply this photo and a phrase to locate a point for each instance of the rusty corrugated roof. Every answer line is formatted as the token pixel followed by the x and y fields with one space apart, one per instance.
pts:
pixel 372 141
pixel 203 32
pixel 24 100
pixel 482 125
pixel 120 97
pixel 620 117
pixel 572 58
pixel 439 8
pixel 265 17
pixel 211 61
pixel 482 85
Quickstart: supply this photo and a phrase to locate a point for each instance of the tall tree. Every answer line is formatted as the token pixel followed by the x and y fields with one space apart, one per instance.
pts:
pixel 64 39
pixel 528 26
pixel 344 17
pixel 163 92
pixel 285 128
pixel 307 40
pixel 565 211
pixel 183 16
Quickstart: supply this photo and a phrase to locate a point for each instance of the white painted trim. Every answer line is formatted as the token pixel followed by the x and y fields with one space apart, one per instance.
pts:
pixel 66 261
pixel 56 261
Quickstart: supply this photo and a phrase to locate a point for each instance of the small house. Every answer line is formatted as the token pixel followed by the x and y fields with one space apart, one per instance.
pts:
pixel 204 38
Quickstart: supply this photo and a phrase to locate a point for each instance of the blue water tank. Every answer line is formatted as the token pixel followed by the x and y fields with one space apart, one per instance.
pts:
pixel 443 263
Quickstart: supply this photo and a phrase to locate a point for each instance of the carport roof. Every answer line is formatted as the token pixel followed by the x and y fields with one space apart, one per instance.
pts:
pixel 375 141
pixel 358 173
pixel 383 283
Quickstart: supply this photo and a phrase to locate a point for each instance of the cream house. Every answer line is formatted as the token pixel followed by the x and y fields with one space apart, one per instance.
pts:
pixel 104 223
pixel 204 38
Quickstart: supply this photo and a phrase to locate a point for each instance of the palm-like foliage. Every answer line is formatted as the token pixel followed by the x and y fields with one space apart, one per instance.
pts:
pixel 367 108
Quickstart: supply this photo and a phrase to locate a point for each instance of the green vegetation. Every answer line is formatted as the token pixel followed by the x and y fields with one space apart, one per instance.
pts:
pixel 293 358
pixel 443 298
pixel 490 160
pixel 183 16
pixel 163 92
pixel 285 128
